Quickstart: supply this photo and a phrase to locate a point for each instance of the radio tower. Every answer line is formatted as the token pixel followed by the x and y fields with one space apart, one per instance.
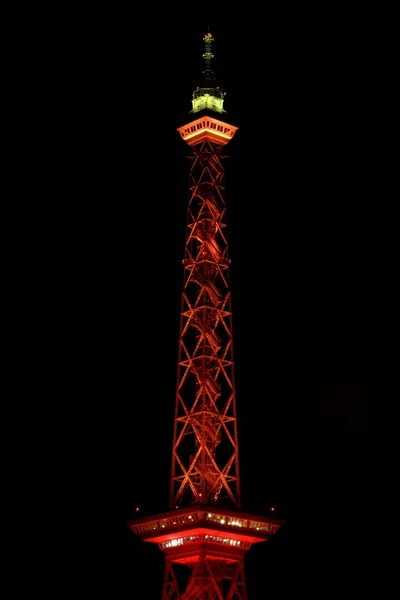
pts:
pixel 205 535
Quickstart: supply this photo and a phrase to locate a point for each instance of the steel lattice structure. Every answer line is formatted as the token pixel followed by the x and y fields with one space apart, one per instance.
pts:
pixel 205 413
pixel 205 536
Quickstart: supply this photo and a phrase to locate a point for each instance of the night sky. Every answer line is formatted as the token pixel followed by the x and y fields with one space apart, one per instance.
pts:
pixel 296 189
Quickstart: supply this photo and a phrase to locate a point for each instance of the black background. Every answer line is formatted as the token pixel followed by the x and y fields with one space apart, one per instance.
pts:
pixel 298 190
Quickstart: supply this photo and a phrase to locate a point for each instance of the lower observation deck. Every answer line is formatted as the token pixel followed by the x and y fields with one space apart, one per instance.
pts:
pixel 184 533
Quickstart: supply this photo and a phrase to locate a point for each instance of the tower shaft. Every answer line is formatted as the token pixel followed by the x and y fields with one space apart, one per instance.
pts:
pixel 205 461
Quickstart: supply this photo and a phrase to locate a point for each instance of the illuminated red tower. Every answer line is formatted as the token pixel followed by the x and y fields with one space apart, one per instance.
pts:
pixel 205 535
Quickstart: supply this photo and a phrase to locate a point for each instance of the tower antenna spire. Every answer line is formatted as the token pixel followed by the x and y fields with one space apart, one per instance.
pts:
pixel 208 56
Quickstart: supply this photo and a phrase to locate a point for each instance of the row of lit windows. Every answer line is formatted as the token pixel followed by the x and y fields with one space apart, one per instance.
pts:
pixel 241 523
pixel 199 516
pixel 180 520
pixel 221 540
pixel 206 124
pixel 180 541
pixel 208 538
